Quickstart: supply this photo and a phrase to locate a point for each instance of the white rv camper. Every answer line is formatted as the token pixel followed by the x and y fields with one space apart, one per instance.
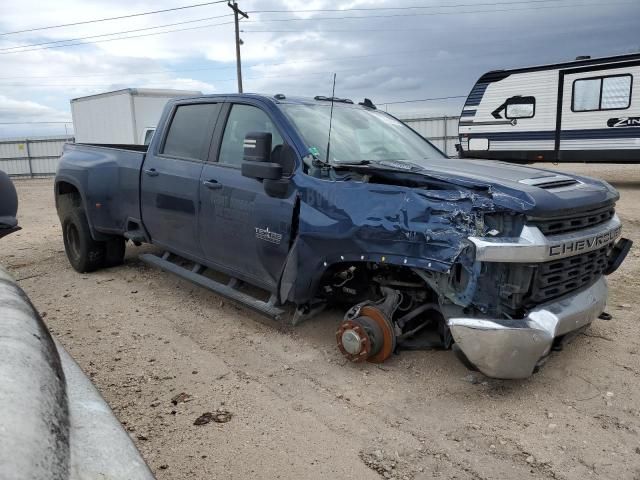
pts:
pixel 127 116
pixel 587 110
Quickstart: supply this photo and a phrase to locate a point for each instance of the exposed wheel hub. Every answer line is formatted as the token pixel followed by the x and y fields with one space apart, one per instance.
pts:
pixel 353 340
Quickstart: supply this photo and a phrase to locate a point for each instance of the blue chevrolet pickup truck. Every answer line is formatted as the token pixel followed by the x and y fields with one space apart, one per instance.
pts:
pixel 323 201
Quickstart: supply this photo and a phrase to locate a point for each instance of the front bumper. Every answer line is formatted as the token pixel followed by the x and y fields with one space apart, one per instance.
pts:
pixel 512 349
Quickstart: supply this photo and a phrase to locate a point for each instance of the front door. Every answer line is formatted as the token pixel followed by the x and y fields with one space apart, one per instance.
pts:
pixel 171 179
pixel 243 231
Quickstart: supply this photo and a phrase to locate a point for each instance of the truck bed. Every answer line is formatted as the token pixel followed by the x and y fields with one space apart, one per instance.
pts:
pixel 110 184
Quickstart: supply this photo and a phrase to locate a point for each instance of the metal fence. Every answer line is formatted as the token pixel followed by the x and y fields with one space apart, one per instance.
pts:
pixel 441 131
pixel 37 156
pixel 30 157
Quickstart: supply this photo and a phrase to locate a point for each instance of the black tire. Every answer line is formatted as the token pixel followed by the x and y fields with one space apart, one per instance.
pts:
pixel 114 251
pixel 84 253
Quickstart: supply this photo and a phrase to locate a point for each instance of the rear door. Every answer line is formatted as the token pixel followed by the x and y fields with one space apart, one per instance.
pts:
pixel 243 231
pixel 170 178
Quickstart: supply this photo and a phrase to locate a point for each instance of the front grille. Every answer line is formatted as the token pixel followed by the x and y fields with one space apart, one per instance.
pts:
pixel 559 277
pixel 575 221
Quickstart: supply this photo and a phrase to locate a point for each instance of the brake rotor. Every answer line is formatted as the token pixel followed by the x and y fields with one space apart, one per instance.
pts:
pixel 369 336
pixel 388 340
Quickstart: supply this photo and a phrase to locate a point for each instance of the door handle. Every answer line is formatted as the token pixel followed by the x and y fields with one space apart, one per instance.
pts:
pixel 212 184
pixel 152 172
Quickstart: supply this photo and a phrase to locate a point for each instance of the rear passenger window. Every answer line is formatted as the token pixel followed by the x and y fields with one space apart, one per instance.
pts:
pixel 244 119
pixel 602 93
pixel 190 131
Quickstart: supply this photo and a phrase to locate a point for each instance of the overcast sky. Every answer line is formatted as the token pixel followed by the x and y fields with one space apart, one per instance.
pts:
pixel 386 55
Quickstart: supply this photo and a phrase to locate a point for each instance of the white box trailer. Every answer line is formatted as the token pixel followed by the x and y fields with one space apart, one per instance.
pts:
pixel 587 110
pixel 127 116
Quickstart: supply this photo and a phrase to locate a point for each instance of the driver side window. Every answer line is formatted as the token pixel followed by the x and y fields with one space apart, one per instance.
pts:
pixel 244 119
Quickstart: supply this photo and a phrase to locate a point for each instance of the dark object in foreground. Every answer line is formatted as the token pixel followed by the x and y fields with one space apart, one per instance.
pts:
pixel 8 206
pixel 53 422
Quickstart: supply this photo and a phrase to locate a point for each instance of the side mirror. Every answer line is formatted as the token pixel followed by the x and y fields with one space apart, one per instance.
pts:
pixel 257 147
pixel 257 156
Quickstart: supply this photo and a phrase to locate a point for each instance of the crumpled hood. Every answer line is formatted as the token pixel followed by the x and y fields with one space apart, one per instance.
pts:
pixel 533 191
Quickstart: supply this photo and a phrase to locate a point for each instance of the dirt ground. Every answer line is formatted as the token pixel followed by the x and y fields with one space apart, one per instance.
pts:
pixel 299 409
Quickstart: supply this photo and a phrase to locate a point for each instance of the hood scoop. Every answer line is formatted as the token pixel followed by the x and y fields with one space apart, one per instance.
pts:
pixel 553 182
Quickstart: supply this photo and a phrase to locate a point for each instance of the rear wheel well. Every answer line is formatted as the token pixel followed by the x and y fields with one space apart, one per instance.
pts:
pixel 67 196
pixel 63 188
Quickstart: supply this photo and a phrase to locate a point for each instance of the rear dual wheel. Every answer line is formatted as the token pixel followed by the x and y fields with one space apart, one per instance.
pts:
pixel 84 253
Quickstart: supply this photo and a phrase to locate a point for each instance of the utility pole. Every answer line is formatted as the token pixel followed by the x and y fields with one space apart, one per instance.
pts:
pixel 236 11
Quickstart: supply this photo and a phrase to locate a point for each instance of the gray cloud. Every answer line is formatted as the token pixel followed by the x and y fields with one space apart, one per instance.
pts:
pixel 385 58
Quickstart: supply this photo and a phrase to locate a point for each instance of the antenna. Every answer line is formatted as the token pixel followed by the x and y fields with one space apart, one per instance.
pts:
pixel 333 95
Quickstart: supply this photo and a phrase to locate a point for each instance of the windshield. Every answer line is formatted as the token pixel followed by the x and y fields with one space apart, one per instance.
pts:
pixel 358 135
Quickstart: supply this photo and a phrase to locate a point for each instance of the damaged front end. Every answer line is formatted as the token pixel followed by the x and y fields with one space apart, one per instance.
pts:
pixel 535 292
pixel 429 263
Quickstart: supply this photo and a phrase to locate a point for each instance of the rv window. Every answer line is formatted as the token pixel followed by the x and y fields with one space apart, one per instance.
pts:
pixel 601 93
pixel 520 107
pixel 616 92
pixel 586 95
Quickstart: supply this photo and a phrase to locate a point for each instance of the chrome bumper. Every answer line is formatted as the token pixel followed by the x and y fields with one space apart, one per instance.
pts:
pixel 511 349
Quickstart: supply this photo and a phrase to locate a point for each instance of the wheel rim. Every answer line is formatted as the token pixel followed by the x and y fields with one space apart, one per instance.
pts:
pixel 73 240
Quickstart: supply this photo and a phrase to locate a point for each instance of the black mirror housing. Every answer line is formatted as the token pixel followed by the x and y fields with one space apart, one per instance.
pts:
pixel 257 147
pixel 261 170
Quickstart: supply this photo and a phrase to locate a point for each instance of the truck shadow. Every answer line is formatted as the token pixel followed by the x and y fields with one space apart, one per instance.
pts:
pixel 320 332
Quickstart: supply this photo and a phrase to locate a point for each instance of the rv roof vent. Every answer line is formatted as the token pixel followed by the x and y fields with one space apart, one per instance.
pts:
pixel 551 182
pixel 583 57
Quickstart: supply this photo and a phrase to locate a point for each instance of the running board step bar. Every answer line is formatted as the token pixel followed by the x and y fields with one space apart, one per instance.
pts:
pixel 226 290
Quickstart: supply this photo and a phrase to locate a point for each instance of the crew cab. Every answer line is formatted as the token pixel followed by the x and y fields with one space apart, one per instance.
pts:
pixel 322 201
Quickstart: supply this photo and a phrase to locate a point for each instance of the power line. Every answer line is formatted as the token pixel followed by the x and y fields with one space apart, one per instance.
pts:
pixel 259 77
pixel 119 38
pixel 422 100
pixel 354 9
pixel 319 18
pixel 428 14
pixel 113 18
pixel 115 33
pixel 161 72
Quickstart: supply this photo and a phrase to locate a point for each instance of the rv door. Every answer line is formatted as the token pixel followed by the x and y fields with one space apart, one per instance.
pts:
pixel 595 113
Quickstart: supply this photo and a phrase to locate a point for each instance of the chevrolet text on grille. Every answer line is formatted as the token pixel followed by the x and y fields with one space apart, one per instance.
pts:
pixel 585 244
